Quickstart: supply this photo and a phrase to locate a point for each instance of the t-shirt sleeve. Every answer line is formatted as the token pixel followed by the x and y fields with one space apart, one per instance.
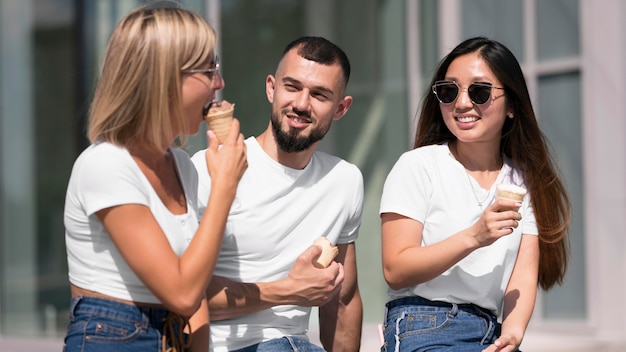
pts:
pixel 407 188
pixel 529 223
pixel 350 231
pixel 110 177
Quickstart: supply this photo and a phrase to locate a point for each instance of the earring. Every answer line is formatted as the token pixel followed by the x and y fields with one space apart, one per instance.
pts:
pixel 510 115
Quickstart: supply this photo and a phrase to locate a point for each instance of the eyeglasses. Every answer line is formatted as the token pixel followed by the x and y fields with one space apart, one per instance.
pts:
pixel 211 73
pixel 447 91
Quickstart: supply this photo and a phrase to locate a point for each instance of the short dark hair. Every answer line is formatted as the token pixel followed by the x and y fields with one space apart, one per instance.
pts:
pixel 322 51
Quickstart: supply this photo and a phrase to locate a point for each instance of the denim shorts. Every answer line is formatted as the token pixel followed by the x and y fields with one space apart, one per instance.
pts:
pixel 283 344
pixel 417 324
pixel 103 325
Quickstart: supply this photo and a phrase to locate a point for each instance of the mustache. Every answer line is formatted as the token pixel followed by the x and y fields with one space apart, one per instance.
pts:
pixel 297 112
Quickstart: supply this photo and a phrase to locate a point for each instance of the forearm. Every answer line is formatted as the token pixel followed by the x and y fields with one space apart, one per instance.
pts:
pixel 230 299
pixel 419 264
pixel 341 325
pixel 517 312
pixel 199 324
pixel 341 319
pixel 521 292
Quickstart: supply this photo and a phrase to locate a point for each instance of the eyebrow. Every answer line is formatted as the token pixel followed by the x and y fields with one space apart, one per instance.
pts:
pixel 327 90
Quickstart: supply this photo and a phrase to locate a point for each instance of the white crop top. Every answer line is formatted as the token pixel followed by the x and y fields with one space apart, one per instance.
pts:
pixel 103 176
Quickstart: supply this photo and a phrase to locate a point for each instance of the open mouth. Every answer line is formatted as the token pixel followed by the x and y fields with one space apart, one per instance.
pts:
pixel 206 107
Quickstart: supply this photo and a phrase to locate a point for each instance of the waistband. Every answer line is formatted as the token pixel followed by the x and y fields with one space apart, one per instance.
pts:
pixel 153 316
pixel 421 301
pixel 170 324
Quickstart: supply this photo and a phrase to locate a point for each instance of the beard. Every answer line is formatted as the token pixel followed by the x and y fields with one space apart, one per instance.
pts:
pixel 290 141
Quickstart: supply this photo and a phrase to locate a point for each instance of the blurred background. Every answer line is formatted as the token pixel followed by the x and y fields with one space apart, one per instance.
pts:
pixel 572 52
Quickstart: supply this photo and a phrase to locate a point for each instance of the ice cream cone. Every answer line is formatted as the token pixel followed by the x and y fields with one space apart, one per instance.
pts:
pixel 219 118
pixel 329 252
pixel 511 192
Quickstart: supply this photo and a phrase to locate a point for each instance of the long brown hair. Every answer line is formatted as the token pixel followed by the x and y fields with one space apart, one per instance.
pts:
pixel 523 142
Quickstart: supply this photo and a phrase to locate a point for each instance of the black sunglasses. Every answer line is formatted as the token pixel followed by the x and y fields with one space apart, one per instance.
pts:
pixel 447 91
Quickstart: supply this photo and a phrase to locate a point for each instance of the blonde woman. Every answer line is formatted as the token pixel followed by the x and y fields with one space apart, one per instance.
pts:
pixel 139 256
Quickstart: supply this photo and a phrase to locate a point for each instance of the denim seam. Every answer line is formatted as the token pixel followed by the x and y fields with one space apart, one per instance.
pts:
pixel 400 318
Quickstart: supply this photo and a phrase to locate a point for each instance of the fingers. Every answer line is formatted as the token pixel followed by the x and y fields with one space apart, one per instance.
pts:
pixel 311 253
pixel 233 132
pixel 500 217
pixel 213 141
pixel 341 276
pixel 502 344
pixel 505 204
pixel 314 286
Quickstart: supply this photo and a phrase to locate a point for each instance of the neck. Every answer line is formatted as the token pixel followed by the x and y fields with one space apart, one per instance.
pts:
pixel 150 157
pixel 477 156
pixel 295 160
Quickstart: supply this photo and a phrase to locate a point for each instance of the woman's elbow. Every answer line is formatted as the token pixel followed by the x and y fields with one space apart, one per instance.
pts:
pixel 394 281
pixel 184 304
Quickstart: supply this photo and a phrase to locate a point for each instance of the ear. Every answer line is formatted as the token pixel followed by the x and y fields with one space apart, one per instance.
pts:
pixel 270 87
pixel 343 107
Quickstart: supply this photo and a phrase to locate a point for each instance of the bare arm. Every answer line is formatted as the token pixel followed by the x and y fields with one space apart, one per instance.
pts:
pixel 520 295
pixel 199 323
pixel 180 282
pixel 305 285
pixel 341 319
pixel 406 262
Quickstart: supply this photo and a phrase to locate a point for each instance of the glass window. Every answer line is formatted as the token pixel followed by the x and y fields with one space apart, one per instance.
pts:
pixel 557 29
pixel 500 20
pixel 38 126
pixel 559 114
pixel 252 36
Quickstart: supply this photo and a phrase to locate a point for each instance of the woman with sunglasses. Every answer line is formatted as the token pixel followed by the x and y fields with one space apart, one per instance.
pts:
pixel 463 267
pixel 139 255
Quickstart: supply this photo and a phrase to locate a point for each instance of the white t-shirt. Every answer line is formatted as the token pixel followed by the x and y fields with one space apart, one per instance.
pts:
pixel 276 215
pixel 429 185
pixel 103 176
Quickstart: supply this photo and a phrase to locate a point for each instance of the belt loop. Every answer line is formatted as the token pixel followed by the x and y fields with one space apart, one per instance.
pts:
pixel 454 311
pixel 73 304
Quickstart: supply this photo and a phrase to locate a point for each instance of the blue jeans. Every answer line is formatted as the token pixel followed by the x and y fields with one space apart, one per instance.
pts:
pixel 283 344
pixel 416 324
pixel 103 325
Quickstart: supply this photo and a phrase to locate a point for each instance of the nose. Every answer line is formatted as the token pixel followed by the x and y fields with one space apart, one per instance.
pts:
pixel 218 81
pixel 464 99
pixel 301 101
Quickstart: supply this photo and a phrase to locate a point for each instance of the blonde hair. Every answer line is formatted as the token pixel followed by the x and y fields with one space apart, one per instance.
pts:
pixel 138 96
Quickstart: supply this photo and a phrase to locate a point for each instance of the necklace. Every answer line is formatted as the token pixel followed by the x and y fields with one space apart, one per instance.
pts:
pixel 478 201
pixel 454 152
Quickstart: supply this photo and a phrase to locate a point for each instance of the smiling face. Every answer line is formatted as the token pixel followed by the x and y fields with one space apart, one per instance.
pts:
pixel 197 91
pixel 306 97
pixel 471 122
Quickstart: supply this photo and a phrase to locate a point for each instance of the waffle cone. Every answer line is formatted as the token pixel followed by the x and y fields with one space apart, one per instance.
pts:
pixel 329 252
pixel 219 118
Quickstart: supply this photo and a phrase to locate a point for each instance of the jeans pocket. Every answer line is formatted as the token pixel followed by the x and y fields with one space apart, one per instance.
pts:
pixel 103 329
pixel 413 322
pixel 111 330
